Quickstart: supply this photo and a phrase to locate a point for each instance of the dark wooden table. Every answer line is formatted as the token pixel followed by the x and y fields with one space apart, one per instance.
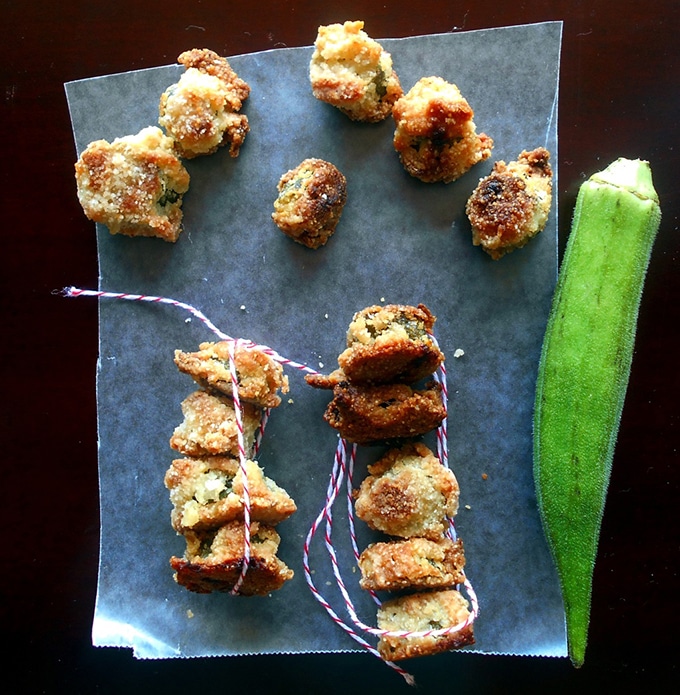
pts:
pixel 618 97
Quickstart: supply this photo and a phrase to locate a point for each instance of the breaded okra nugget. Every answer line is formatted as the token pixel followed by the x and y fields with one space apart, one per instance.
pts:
pixel 310 202
pixel 213 560
pixel 383 413
pixel 408 493
pixel 352 72
pixel 200 112
pixel 436 137
pixel 210 427
pixel 413 563
pixel 133 185
pixel 208 492
pixel 511 205
pixel 259 376
pixel 391 343
pixel 423 612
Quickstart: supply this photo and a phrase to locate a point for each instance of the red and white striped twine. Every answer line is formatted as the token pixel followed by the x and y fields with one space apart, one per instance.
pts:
pixel 76 292
pixel 343 467
pixel 242 461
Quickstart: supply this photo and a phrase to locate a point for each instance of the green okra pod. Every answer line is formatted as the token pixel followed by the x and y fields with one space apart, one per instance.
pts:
pixel 584 370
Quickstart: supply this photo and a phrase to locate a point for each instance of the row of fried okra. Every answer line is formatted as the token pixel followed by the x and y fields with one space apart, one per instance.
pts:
pixel 409 494
pixel 206 486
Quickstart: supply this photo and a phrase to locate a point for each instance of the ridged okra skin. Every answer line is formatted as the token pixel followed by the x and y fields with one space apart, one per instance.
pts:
pixel 584 371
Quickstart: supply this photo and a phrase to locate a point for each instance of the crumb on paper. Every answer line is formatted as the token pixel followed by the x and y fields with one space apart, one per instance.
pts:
pixel 243 307
pixel 458 353
pixel 467 506
pixel 190 613
pixel 290 400
pixel 484 476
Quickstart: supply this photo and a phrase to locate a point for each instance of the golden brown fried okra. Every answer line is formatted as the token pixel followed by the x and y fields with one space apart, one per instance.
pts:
pixel 352 72
pixel 310 202
pixel 259 376
pixel 436 137
pixel 511 205
pixel 133 185
pixel 408 493
pixel 372 414
pixel 420 613
pixel 200 111
pixel 208 492
pixel 391 343
pixel 210 427
pixel 214 559
pixel 413 563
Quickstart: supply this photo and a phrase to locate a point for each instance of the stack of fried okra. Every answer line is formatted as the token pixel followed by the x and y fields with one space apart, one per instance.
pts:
pixel 207 485
pixel 409 495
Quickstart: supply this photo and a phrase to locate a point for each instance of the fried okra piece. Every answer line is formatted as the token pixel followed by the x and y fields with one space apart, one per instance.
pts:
pixel 511 205
pixel 352 72
pixel 201 111
pixel 210 427
pixel 310 202
pixel 436 137
pixel 391 343
pixel 208 492
pixel 213 560
pixel 384 413
pixel 259 376
pixel 422 612
pixel 133 185
pixel 409 493
pixel 413 563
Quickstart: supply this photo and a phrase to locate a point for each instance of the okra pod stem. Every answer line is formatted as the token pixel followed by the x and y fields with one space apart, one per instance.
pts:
pixel 584 370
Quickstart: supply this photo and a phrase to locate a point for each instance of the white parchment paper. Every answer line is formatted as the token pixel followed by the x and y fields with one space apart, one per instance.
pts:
pixel 399 241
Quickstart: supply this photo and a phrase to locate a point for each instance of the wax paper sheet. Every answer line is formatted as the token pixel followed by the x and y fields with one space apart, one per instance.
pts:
pixel 399 241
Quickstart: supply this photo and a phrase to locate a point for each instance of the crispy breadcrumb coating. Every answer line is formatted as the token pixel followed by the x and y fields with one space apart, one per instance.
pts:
pixel 213 560
pixel 436 137
pixel 259 376
pixel 326 381
pixel 419 613
pixel 310 202
pixel 414 563
pixel 200 112
pixel 391 343
pixel 208 492
pixel 133 185
pixel 352 72
pixel 511 205
pixel 372 414
pixel 408 493
pixel 210 427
